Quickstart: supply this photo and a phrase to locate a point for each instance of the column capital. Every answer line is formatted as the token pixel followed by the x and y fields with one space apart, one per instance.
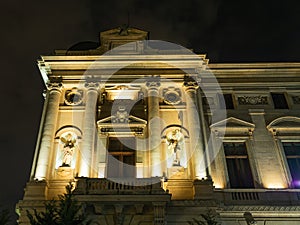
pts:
pixel 54 83
pixel 153 82
pixel 54 86
pixel 91 85
pixel 191 83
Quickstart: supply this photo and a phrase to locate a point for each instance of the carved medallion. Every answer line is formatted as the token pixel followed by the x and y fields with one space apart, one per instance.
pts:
pixel 73 97
pixel 172 96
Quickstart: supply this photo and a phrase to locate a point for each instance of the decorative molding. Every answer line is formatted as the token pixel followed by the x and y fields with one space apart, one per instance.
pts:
pixel 253 100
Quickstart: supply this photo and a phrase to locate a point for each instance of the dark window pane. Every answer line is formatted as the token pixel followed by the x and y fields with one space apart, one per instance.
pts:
pixel 292 153
pixel 239 171
pixel 235 148
pixel 279 101
pixel 121 158
pixel 227 103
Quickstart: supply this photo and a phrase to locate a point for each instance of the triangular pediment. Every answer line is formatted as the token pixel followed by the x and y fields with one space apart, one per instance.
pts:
pixel 232 122
pixel 114 120
pixel 122 125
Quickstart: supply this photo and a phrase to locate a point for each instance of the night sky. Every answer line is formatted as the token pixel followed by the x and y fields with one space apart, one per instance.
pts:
pixel 227 31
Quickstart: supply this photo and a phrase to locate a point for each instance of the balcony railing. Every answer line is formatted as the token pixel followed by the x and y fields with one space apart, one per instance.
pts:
pixel 119 186
pixel 258 196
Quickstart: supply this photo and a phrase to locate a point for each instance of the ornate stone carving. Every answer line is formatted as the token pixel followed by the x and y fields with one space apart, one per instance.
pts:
pixel 73 97
pixel 121 116
pixel 296 100
pixel 172 96
pixel 253 100
pixel 55 83
pixel 91 85
pixel 153 82
pixel 190 82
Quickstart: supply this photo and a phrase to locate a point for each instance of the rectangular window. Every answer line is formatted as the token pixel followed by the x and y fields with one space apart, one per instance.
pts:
pixel 292 153
pixel 226 102
pixel 121 157
pixel 238 166
pixel 279 101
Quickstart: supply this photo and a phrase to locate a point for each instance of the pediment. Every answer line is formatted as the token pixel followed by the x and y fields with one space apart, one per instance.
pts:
pixel 122 125
pixel 232 122
pixel 285 126
pixel 285 122
pixel 232 127
pixel 115 120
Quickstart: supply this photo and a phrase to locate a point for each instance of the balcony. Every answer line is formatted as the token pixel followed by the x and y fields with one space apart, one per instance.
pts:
pixel 116 186
pixel 258 196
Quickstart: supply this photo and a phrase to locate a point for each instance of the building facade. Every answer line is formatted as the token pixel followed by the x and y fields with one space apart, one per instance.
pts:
pixel 151 133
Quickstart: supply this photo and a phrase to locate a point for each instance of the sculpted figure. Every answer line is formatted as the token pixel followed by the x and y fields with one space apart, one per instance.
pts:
pixel 69 146
pixel 175 143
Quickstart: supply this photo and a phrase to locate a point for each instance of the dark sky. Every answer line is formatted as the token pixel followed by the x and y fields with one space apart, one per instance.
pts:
pixel 227 31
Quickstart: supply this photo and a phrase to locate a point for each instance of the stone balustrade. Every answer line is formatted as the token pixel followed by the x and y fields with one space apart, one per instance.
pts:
pixel 118 186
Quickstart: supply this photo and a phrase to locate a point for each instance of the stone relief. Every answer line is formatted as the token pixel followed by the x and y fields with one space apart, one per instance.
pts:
pixel 73 97
pixel 172 96
pixel 121 115
pixel 253 100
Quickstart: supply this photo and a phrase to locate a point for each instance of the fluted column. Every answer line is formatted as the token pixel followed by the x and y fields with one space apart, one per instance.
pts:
pixel 196 135
pixel 89 128
pixel 154 126
pixel 48 132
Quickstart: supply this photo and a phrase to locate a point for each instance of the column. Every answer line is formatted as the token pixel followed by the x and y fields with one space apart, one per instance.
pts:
pixel 48 131
pixel 196 136
pixel 154 126
pixel 89 128
pixel 102 154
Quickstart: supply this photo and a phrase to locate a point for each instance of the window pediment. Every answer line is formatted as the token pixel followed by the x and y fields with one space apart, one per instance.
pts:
pixel 285 126
pixel 232 127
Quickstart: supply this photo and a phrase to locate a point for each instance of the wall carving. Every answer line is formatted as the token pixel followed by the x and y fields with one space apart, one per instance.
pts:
pixel 253 100
pixel 73 97
pixel 172 96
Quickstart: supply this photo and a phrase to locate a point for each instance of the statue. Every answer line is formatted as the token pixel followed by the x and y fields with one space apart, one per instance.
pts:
pixel 175 143
pixel 69 141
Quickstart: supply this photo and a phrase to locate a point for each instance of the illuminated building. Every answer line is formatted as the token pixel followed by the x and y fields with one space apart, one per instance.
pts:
pixel 153 134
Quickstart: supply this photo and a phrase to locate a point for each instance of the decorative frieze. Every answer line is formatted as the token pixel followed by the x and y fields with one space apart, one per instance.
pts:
pixel 253 100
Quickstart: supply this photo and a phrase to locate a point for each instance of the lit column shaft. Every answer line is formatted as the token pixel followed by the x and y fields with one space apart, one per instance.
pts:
pixel 154 127
pixel 89 128
pixel 48 132
pixel 196 136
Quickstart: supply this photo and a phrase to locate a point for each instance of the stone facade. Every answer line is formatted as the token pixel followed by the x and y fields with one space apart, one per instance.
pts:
pixel 157 135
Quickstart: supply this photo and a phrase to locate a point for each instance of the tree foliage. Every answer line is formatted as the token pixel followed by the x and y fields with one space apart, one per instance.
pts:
pixel 209 218
pixel 66 211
